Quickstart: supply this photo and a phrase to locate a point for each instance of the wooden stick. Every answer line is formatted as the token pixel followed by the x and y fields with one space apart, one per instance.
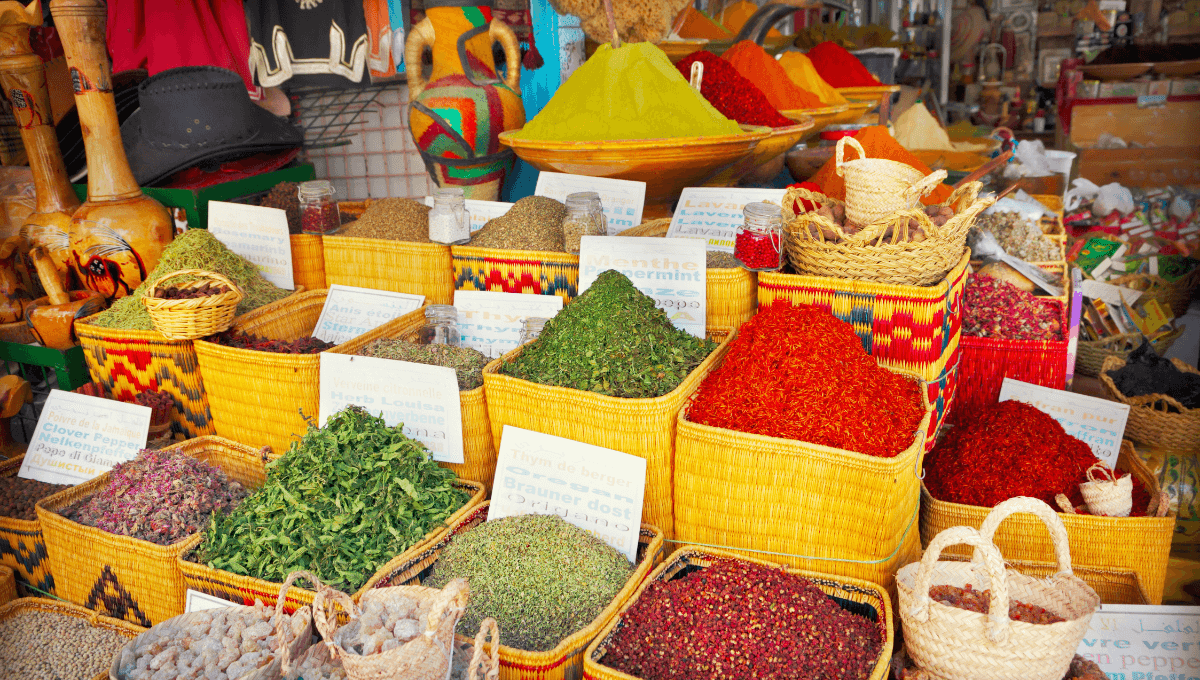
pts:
pixel 612 24
pixel 1011 188
pixel 985 169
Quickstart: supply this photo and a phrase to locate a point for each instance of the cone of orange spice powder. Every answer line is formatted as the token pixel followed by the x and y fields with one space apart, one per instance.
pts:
pixel 760 68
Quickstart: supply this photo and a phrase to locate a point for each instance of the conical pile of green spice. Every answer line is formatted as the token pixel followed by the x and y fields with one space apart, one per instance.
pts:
pixel 614 341
pixel 194 249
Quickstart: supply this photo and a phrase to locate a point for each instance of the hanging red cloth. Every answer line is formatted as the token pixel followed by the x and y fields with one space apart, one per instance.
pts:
pixel 163 34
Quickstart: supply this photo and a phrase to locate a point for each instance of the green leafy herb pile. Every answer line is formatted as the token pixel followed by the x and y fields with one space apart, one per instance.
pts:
pixel 540 577
pixel 194 249
pixel 345 499
pixel 611 340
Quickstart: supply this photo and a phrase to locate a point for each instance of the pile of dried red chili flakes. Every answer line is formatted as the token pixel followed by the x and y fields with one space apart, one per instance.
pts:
pixel 735 620
pixel 997 309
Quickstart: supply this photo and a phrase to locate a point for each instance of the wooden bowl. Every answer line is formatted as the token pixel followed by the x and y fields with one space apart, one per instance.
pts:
pixel 867 94
pixel 1116 71
pixel 767 158
pixel 822 117
pixel 54 325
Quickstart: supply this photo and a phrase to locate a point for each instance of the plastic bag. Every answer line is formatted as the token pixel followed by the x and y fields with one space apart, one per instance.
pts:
pixel 1083 190
pixel 1031 154
pixel 1030 210
pixel 1113 197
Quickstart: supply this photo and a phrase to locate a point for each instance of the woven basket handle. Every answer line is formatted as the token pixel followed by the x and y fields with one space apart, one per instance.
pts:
pixel 452 599
pixel 281 626
pixel 321 605
pixel 1033 506
pixel 1105 471
pixel 841 146
pixel 191 272
pixel 997 615
pixel 490 665
pixel 923 186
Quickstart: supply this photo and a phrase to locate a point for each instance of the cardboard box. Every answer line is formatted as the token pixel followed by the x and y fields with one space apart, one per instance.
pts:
pixel 1180 86
pixel 1151 167
pixel 1158 87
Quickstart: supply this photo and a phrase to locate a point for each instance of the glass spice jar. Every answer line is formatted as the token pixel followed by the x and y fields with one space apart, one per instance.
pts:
pixel 449 222
pixel 441 326
pixel 758 246
pixel 585 217
pixel 319 213
pixel 531 328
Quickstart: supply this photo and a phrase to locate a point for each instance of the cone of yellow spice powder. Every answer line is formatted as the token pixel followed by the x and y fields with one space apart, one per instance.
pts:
pixel 800 70
pixel 633 92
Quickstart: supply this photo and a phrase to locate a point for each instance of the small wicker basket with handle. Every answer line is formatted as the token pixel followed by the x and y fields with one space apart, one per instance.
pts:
pixel 193 318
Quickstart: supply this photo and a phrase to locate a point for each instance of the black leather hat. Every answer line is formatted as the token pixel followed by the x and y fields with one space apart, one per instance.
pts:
pixel 198 114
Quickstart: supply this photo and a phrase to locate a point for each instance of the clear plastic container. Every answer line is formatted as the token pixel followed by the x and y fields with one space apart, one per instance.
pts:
pixel 758 246
pixel 319 213
pixel 531 328
pixel 441 326
pixel 585 217
pixel 449 221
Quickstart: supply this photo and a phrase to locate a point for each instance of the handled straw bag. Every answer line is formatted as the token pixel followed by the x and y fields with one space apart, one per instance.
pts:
pixel 878 187
pixel 1110 497
pixel 957 644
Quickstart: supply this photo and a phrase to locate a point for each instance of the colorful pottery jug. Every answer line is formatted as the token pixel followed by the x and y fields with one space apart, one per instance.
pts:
pixel 457 117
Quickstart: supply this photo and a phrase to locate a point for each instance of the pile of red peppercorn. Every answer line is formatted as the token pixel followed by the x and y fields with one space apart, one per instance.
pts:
pixel 757 250
pixel 261 344
pixel 997 309
pixel 980 601
pixel 731 93
pixel 735 620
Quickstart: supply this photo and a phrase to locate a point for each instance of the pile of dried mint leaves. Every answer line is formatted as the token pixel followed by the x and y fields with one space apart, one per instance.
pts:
pixel 533 223
pixel 160 496
pixel 614 341
pixel 342 501
pixel 540 577
pixel 194 249
pixel 467 362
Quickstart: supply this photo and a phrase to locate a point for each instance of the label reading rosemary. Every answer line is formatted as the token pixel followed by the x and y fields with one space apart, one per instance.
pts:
pixel 258 234
pixel 491 322
pixel 671 271
pixel 79 437
pixel 349 311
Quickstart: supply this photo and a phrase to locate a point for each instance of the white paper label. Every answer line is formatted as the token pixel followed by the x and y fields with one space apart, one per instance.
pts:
pixel 1097 422
pixel 716 213
pixel 672 271
pixel 594 488
pixel 481 211
pixel 258 234
pixel 424 398
pixel 198 602
pixel 349 312
pixel 1144 642
pixel 491 322
pixel 80 437
pixel 623 200
pixel 1110 294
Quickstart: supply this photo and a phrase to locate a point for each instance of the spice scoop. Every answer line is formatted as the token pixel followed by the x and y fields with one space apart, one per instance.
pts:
pixel 52 318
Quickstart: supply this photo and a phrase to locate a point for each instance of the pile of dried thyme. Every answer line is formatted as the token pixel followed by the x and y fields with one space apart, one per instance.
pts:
pixel 392 219
pixel 467 362
pixel 533 223
pixel 719 259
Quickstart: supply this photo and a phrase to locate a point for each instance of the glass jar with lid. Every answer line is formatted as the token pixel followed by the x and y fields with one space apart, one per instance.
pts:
pixel 449 222
pixel 441 326
pixel 319 213
pixel 758 246
pixel 585 217
pixel 531 328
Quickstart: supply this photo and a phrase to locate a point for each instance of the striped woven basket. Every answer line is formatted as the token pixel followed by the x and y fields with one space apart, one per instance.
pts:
pixel 730 294
pixel 856 596
pixel 398 266
pixel 1151 422
pixel 130 578
pixel 27 606
pixel 1138 544
pixel 22 545
pixel 128 363
pixel 261 398
pixel 246 589
pixel 8 585
pixel 640 427
pixel 479 453
pixel 803 517
pixel 516 271
pixel 564 661
pixel 308 261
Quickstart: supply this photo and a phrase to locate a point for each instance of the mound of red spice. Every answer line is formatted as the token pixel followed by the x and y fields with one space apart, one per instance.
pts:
pixel 980 601
pixel 801 373
pixel 734 620
pixel 258 343
pixel 997 309
pixel 731 93
pixel 839 68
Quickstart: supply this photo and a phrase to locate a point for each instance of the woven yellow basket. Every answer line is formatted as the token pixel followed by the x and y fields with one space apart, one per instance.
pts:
pixel 398 266
pixel 22 546
pixel 859 597
pixel 33 605
pixel 730 294
pixel 516 271
pixel 128 363
pixel 804 515
pixel 261 398
pixel 1091 354
pixel 871 254
pixel 479 453
pixel 246 589
pixel 8 585
pixel 1150 423
pixel 130 578
pixel 308 261
pixel 1138 544
pixel 195 317
pixel 640 427
pixel 564 661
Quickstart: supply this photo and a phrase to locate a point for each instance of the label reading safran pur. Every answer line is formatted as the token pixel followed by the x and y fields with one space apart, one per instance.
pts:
pixel 79 437
pixel 1098 422
pixel 258 234
pixel 349 311
pixel 672 271
pixel 423 398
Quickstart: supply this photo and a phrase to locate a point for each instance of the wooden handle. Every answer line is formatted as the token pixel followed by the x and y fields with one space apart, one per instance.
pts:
pixel 15 392
pixel 501 33
pixel 14 28
pixel 49 277
pixel 24 80
pixel 984 169
pixel 419 38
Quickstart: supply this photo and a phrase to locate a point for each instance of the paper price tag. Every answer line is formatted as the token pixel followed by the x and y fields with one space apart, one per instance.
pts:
pixel 422 398
pixel 197 601
pixel 623 200
pixel 672 271
pixel 258 234
pixel 715 213
pixel 491 322
pixel 596 489
pixel 80 437
pixel 1098 422
pixel 349 311
pixel 481 211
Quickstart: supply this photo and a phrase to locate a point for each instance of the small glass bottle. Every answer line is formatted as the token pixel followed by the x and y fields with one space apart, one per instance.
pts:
pixel 448 221
pixel 319 213
pixel 759 243
pixel 441 326
pixel 531 328
pixel 585 217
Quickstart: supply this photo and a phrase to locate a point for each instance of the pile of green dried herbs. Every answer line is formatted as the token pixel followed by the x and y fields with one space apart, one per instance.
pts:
pixel 340 503
pixel 467 362
pixel 540 577
pixel 611 340
pixel 194 249
pixel 392 219
pixel 533 223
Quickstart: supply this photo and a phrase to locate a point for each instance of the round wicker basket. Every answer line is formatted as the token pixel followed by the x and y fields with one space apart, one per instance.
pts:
pixel 193 318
